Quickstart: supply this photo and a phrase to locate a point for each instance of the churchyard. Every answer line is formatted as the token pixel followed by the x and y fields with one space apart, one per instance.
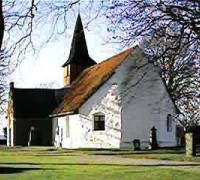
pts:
pixel 22 163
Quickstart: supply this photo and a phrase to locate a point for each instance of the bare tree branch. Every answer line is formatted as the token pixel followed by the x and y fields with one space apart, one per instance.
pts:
pixel 169 32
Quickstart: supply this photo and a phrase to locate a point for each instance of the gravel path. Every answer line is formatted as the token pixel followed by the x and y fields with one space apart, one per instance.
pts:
pixel 125 161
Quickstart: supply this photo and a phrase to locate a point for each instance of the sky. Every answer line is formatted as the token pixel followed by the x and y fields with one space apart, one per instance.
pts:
pixel 45 68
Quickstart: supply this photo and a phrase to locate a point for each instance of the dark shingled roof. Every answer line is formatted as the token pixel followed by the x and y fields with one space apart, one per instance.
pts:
pixel 88 82
pixel 36 103
pixel 79 52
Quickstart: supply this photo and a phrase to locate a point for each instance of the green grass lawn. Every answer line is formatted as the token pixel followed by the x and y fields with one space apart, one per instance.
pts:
pixel 47 163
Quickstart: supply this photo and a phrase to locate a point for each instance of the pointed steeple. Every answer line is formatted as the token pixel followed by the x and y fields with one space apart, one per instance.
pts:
pixel 79 58
pixel 79 52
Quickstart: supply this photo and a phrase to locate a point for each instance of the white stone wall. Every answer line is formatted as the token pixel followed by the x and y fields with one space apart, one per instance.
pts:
pixel 10 120
pixel 110 106
pixel 82 135
pixel 74 139
pixel 146 102
pixel 133 100
pixel 10 135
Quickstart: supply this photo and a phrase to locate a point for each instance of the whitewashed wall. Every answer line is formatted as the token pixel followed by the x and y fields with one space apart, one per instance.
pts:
pixel 10 135
pixel 133 102
pixel 10 121
pixel 82 135
pixel 146 102
pixel 106 100
pixel 73 141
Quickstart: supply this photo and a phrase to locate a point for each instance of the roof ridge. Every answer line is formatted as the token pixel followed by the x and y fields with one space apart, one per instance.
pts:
pixel 89 81
pixel 104 61
pixel 39 88
pixel 110 58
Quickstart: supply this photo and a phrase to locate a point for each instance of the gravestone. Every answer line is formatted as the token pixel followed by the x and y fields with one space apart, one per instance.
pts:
pixel 34 137
pixel 136 144
pixel 153 139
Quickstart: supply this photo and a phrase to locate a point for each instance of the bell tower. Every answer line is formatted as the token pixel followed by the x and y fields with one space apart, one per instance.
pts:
pixel 79 58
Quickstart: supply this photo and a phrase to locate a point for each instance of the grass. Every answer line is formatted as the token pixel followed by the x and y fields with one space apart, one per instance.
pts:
pixel 48 163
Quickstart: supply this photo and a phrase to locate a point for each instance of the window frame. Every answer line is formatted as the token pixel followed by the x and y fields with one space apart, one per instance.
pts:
pixel 99 122
pixel 169 123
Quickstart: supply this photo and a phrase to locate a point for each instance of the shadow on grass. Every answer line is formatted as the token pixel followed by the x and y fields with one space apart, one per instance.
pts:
pixel 65 155
pixel 12 170
pixel 136 153
pixel 171 150
pixel 94 164
pixel 51 151
pixel 160 151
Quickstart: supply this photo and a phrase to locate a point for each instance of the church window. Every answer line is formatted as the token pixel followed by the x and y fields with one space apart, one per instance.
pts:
pixel 99 122
pixel 169 123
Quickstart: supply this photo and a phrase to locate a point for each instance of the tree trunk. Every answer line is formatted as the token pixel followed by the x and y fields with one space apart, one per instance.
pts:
pixel 1 24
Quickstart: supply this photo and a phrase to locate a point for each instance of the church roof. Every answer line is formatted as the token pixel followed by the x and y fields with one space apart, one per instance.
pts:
pixel 88 82
pixel 79 52
pixel 35 103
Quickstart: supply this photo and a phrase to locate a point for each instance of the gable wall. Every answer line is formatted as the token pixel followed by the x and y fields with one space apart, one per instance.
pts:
pixel 145 102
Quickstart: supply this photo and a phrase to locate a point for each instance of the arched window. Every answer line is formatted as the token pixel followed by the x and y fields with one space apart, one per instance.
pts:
pixel 99 122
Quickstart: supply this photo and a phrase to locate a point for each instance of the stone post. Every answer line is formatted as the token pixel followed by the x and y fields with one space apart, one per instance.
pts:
pixel 190 141
pixel 153 139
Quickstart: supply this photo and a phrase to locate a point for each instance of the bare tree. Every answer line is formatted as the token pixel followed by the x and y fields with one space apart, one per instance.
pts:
pixel 14 36
pixel 168 31
pixel 2 62
pixel 20 26
pixel 1 25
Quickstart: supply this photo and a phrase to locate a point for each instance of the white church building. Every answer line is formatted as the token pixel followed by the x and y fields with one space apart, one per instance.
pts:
pixel 109 104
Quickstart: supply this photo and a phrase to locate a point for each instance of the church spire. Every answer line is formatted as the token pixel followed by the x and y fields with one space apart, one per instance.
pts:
pixel 79 58
pixel 79 52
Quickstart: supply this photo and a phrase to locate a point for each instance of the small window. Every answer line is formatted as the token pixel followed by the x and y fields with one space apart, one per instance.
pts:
pixel 99 122
pixel 169 123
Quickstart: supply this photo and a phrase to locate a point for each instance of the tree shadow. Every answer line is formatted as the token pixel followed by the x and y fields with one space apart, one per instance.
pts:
pixel 65 155
pixel 15 170
pixel 12 170
pixel 170 150
pixel 111 153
